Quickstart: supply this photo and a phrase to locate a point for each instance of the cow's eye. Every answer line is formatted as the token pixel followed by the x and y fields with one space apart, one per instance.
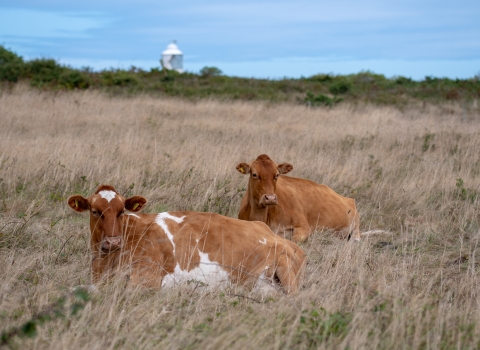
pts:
pixel 255 176
pixel 96 213
pixel 276 176
pixel 121 213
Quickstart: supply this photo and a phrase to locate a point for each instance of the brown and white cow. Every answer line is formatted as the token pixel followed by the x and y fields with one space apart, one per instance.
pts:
pixel 294 207
pixel 164 249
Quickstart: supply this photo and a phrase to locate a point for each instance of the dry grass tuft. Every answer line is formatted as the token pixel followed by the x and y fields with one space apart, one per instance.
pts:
pixel 414 173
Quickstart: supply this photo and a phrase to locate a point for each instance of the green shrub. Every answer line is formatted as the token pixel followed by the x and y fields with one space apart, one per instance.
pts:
pixel 12 66
pixel 321 100
pixel 367 77
pixel 74 79
pixel 340 87
pixel 7 56
pixel 321 78
pixel 403 81
pixel 170 75
pixel 119 78
pixel 44 71
pixel 168 78
pixel 12 71
pixel 210 72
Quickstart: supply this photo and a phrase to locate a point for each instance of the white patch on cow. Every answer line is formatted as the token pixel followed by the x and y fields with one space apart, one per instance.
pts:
pixel 207 271
pixel 262 278
pixel 263 242
pixel 131 214
pixel 160 220
pixel 265 286
pixel 108 195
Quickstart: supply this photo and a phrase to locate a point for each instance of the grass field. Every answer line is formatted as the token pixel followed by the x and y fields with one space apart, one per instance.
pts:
pixel 413 173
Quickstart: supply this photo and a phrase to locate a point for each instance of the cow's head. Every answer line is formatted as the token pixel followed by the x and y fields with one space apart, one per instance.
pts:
pixel 107 208
pixel 263 173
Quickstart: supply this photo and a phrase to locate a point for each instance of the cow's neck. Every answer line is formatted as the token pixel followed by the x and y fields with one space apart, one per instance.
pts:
pixel 258 214
pixel 265 214
pixel 102 261
pixel 254 212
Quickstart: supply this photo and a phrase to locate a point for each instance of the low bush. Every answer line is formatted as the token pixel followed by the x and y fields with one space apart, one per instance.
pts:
pixel 44 71
pixel 73 79
pixel 340 87
pixel 12 66
pixel 321 100
pixel 365 86
pixel 210 72
pixel 119 78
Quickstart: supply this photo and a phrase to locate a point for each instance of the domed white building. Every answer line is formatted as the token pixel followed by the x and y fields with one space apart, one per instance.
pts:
pixel 172 58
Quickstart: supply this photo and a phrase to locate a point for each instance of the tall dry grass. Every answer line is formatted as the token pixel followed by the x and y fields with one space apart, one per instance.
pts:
pixel 413 173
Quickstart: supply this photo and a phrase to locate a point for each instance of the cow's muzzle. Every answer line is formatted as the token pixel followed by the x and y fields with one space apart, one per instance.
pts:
pixel 268 199
pixel 112 243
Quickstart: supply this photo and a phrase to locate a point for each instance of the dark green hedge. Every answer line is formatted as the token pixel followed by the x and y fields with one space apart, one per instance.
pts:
pixel 317 90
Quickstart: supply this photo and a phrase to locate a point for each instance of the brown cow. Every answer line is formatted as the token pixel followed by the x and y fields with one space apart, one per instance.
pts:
pixel 168 248
pixel 292 206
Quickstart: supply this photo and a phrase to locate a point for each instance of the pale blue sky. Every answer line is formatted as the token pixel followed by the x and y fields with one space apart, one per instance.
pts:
pixel 269 39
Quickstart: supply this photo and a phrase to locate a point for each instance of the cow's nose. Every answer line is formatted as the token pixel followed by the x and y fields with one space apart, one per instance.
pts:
pixel 110 243
pixel 270 199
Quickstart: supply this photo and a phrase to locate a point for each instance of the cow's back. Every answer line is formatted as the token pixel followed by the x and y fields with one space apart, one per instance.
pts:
pixel 301 199
pixel 219 235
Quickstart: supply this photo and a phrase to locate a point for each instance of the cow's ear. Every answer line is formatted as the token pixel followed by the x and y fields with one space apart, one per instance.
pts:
pixel 284 168
pixel 135 203
pixel 78 203
pixel 243 168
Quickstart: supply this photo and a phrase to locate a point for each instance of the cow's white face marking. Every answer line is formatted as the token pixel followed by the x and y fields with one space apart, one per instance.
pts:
pixel 108 195
pixel 160 220
pixel 207 271
pixel 263 242
pixel 131 214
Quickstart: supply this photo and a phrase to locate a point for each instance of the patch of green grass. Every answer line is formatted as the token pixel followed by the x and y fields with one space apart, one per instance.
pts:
pixel 59 309
pixel 466 194
pixel 317 326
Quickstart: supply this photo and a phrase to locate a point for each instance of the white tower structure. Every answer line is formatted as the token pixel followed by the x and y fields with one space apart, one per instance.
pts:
pixel 172 58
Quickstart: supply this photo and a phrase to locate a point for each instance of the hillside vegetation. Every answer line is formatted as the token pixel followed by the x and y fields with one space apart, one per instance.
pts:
pixel 413 172
pixel 317 90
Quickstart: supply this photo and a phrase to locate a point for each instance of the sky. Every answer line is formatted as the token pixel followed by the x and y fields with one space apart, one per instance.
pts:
pixel 261 39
